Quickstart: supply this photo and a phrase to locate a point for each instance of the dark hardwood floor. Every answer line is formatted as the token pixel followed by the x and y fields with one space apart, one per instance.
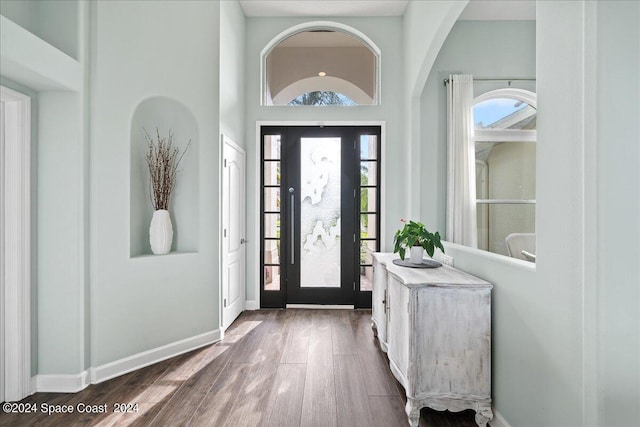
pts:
pixel 274 368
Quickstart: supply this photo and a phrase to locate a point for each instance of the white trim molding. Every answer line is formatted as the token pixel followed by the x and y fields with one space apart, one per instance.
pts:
pixel 498 420
pixel 321 306
pixel 62 383
pixel 16 225
pixel 137 361
pixel 252 305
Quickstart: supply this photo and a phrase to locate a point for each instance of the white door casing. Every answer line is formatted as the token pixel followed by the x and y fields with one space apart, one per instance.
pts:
pixel 234 251
pixel 15 285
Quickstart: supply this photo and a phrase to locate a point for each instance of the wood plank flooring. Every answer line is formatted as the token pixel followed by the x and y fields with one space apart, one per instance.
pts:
pixel 277 368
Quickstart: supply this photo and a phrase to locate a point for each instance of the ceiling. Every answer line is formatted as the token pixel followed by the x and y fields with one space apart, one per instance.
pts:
pixel 477 10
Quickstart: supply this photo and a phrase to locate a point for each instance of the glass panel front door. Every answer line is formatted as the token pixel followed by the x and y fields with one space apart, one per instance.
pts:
pixel 320 215
pixel 320 208
pixel 320 212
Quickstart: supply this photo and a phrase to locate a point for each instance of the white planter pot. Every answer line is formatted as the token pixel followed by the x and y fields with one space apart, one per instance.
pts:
pixel 161 232
pixel 416 254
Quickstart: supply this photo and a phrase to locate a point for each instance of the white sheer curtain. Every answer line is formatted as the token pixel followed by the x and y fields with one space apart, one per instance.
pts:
pixel 461 190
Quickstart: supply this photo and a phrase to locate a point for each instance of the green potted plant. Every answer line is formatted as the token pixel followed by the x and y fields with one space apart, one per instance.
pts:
pixel 415 236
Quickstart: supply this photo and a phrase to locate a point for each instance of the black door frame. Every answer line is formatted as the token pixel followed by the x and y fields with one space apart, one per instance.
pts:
pixel 345 294
pixel 349 293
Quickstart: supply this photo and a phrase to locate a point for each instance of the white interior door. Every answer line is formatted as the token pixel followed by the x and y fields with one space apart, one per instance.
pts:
pixel 234 251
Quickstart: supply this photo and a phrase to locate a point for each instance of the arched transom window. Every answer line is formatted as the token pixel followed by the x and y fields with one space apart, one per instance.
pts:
pixel 320 65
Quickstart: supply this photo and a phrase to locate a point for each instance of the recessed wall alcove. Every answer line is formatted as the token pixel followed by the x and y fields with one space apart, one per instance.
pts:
pixel 164 114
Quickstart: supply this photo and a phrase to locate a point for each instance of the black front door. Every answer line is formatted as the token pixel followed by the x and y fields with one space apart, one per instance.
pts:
pixel 320 215
pixel 313 214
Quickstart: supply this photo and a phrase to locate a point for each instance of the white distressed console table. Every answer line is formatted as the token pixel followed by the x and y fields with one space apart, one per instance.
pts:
pixel 435 326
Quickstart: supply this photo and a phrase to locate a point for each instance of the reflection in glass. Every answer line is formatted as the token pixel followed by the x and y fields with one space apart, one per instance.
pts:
pixel 368 147
pixel 504 113
pixel 272 147
pixel 271 173
pixel 320 67
pixel 366 278
pixel 271 199
pixel 272 225
pixel 497 221
pixel 271 278
pixel 320 212
pixel 367 248
pixel 272 251
pixel 506 170
pixel 368 226
pixel 368 199
pixel 368 173
pixel 323 97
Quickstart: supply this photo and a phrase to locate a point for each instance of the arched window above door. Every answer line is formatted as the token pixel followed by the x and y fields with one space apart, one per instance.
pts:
pixel 320 63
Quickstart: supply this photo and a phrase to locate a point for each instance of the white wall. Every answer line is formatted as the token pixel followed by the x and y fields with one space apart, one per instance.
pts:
pixel 143 49
pixel 566 332
pixel 386 33
pixel 618 211
pixel 59 162
pixel 426 25
pixel 56 22
pixel 232 72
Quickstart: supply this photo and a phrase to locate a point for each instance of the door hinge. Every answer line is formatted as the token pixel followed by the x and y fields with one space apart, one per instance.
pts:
pixel 354 144
pixel 225 163
pixel 225 302
pixel 225 233
pixel 354 286
pixel 354 238
pixel 354 193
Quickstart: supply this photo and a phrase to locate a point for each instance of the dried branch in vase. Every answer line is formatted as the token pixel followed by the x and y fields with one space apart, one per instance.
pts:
pixel 163 159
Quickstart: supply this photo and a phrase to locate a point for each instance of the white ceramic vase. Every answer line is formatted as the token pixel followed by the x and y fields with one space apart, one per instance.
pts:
pixel 416 254
pixel 161 232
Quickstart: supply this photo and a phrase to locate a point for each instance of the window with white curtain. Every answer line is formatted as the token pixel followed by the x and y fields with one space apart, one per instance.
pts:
pixel 505 158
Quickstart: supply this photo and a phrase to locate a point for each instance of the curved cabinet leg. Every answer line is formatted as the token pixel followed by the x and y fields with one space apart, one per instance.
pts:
pixel 413 412
pixel 484 414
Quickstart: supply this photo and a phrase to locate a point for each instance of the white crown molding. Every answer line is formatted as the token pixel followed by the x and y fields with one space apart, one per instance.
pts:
pixel 131 363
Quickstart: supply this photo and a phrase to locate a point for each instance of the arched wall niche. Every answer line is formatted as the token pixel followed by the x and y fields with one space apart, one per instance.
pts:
pixel 343 63
pixel 164 114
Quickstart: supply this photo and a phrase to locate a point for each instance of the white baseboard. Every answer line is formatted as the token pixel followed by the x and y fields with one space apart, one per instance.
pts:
pixel 498 420
pixel 321 306
pixel 62 383
pixel 131 363
pixel 252 305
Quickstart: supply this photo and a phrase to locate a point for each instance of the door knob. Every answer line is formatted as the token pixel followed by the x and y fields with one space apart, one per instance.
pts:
pixel 242 241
